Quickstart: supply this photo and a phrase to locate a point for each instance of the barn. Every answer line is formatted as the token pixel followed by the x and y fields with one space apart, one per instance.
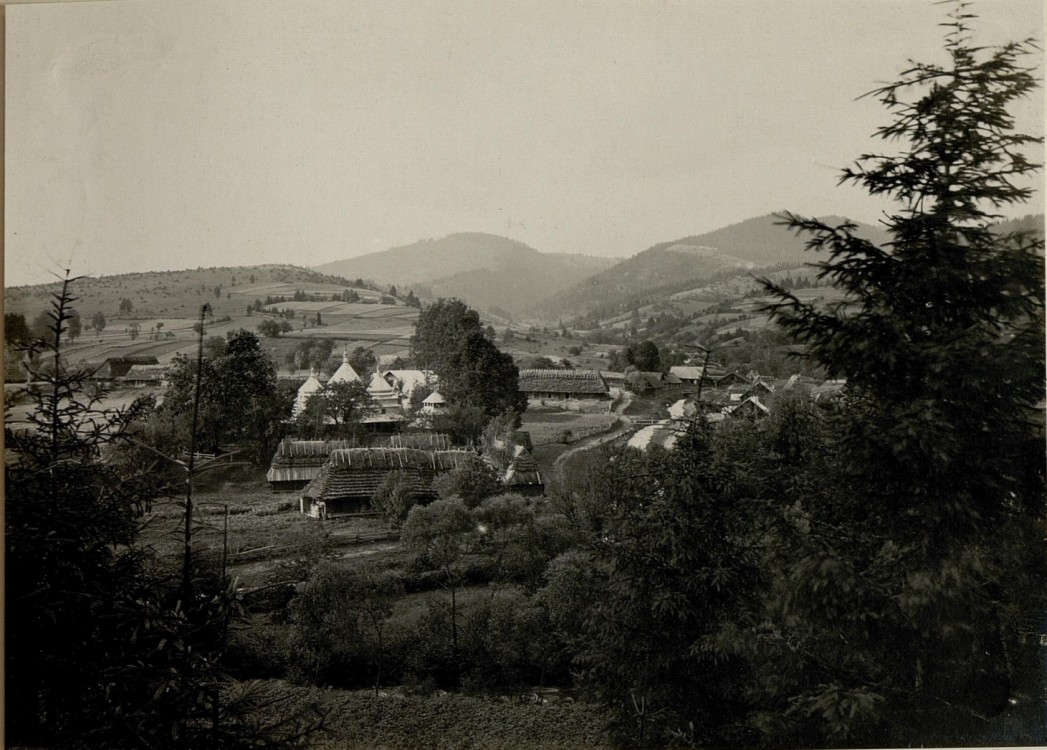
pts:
pixel 347 482
pixel 557 385
pixel 297 462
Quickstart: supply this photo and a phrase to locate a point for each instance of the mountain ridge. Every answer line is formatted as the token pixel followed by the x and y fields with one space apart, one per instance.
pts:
pixel 486 270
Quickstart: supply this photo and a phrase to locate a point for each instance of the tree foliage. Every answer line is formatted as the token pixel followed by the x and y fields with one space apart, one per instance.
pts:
pixel 104 648
pixel 927 543
pixel 473 374
pixel 336 409
pixel 672 564
pixel 240 401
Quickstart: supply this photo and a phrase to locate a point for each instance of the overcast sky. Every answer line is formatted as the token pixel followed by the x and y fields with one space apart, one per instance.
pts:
pixel 147 135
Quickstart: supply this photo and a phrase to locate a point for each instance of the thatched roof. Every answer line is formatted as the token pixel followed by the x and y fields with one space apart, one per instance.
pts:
pixel 300 460
pixel 145 372
pixel 432 441
pixel 574 382
pixel 357 473
pixel 117 367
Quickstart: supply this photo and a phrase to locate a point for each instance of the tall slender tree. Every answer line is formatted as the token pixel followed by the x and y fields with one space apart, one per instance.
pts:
pixel 927 547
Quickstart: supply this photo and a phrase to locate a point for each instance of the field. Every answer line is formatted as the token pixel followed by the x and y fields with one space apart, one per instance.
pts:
pixel 163 307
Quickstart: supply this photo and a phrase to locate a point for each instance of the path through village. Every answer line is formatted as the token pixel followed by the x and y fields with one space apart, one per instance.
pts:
pixel 625 424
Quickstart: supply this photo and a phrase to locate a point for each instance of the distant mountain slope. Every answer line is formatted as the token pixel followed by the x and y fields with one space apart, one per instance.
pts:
pixel 227 289
pixel 485 270
pixel 672 266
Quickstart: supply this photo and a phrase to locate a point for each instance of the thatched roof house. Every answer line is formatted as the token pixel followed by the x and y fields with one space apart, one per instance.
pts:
pixel 141 376
pixel 347 482
pixel 563 384
pixel 297 462
pixel 118 367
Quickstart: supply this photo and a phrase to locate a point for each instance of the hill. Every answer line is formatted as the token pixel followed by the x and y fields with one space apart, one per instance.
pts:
pixel 487 271
pixel 154 313
pixel 172 293
pixel 670 267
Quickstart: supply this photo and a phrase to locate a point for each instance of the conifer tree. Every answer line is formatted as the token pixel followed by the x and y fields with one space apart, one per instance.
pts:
pixel 926 548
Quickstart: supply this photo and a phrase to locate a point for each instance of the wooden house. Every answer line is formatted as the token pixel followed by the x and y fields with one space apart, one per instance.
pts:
pixel 297 462
pixel 563 385
pixel 347 482
pixel 688 375
pixel 143 376
pixel 750 408
pixel 114 368
pixel 732 378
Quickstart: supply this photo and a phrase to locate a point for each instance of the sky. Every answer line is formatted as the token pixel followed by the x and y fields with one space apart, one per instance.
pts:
pixel 152 135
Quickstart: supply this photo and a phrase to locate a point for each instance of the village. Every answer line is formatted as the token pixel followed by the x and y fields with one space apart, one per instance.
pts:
pixel 401 425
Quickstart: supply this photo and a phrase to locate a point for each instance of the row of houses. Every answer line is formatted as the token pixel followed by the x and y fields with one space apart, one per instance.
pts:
pixel 336 478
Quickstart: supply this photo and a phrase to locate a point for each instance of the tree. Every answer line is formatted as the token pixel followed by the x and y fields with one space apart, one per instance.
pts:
pixel 395 497
pixel 646 358
pixel 341 405
pixel 101 650
pixel 98 321
pixel 363 360
pixel 75 325
pixel 479 374
pixel 441 534
pixel 537 363
pixel 673 559
pixel 70 519
pixel 439 331
pixel 240 401
pixel 126 306
pixel 472 372
pixel 472 482
pixel 16 330
pixel 927 545
pixel 133 329
pixel 270 328
pixel 40 328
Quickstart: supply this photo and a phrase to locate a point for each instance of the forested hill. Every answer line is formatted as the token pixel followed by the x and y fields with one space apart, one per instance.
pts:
pixel 679 264
pixel 487 271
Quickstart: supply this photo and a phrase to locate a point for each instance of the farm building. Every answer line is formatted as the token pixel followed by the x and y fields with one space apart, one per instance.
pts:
pixel 117 367
pixel 687 374
pixel 347 482
pixel 563 384
pixel 732 378
pixel 142 376
pixel 523 476
pixel 750 408
pixel 297 462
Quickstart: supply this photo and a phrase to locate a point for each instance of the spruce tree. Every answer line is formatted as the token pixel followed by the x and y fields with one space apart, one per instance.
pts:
pixel 925 550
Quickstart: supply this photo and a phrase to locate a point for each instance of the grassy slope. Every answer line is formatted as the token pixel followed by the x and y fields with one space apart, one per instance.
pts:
pixel 174 298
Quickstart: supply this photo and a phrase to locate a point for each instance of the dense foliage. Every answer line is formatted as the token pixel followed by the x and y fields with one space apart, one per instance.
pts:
pixel 478 380
pixel 105 646
pixel 240 402
pixel 930 540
